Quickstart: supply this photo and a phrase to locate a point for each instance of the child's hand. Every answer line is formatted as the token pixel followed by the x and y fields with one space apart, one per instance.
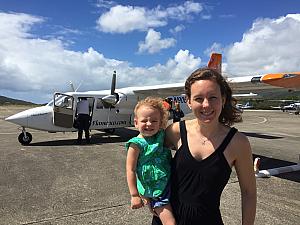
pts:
pixel 136 202
pixel 145 200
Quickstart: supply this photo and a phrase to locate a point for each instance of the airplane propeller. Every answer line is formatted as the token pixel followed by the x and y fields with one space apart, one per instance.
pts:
pixel 113 83
pixel 113 98
pixel 72 86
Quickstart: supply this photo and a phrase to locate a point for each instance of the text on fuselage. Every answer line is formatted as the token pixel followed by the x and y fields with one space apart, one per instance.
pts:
pixel 110 123
pixel 180 99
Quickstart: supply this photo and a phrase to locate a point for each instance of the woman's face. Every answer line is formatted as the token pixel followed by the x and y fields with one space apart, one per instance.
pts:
pixel 206 100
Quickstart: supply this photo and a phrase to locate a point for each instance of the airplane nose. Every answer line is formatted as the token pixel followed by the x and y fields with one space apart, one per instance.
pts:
pixel 19 118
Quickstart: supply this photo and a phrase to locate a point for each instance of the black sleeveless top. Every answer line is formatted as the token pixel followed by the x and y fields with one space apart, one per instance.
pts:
pixel 197 185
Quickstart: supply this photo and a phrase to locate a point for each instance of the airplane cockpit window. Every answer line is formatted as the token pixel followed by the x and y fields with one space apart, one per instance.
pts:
pixel 63 101
pixel 67 102
pixel 50 103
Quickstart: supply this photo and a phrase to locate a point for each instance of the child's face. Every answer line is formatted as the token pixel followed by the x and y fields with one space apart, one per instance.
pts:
pixel 147 121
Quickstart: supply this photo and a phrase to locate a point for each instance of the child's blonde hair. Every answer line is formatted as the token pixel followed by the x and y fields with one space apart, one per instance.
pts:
pixel 156 103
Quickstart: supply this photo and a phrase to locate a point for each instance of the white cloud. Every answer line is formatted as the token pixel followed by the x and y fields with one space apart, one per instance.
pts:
pixel 34 68
pixel 183 64
pixel 124 19
pixel 175 70
pixel 153 42
pixel 177 29
pixel 206 17
pixel 105 4
pixel 270 46
pixel 16 25
pixel 184 11
pixel 215 47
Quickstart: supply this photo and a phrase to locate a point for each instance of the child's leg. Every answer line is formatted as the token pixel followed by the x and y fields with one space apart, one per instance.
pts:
pixel 165 214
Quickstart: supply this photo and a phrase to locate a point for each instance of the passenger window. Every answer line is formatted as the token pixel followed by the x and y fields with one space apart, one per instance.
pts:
pixel 99 104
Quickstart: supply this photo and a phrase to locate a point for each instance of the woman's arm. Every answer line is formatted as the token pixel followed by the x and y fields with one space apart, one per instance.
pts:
pixel 244 168
pixel 172 136
pixel 131 162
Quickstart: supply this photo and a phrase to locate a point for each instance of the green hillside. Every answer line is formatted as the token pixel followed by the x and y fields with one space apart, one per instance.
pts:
pixel 10 101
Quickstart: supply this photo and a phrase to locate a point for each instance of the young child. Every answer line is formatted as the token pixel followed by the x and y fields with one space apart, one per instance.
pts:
pixel 148 161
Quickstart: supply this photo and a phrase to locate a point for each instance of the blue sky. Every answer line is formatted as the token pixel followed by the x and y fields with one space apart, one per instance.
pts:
pixel 46 44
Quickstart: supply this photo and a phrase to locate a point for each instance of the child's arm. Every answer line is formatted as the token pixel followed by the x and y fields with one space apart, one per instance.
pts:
pixel 131 162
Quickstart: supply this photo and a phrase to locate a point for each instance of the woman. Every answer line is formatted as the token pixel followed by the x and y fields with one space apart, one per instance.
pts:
pixel 207 149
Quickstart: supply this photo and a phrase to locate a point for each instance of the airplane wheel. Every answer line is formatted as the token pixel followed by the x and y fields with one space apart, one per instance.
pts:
pixel 23 140
pixel 110 130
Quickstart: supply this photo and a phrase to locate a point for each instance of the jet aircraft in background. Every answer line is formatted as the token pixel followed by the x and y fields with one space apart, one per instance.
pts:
pixel 111 109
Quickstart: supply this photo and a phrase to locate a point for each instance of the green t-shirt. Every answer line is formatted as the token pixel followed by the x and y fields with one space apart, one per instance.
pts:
pixel 153 165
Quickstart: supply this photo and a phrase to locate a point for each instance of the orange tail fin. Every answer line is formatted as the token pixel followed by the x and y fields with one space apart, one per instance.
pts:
pixel 215 62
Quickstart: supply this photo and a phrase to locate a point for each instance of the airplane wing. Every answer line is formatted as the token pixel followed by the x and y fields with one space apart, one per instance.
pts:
pixel 241 85
pixel 163 90
pixel 244 86
pixel 264 85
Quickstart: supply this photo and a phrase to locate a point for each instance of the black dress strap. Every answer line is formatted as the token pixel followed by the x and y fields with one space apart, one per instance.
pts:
pixel 227 139
pixel 183 134
pixel 222 147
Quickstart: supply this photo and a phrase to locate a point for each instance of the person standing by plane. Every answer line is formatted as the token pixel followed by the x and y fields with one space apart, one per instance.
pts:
pixel 177 113
pixel 83 119
pixel 207 149
pixel 148 161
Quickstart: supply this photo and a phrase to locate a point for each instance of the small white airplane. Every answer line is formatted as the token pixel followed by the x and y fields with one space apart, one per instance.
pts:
pixel 113 108
pixel 110 109
pixel 292 107
pixel 245 106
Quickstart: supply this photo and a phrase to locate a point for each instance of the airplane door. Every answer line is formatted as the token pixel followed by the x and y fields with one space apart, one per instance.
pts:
pixel 63 108
pixel 106 117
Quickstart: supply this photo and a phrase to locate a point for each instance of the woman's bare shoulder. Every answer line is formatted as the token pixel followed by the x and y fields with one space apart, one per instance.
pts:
pixel 240 138
pixel 240 144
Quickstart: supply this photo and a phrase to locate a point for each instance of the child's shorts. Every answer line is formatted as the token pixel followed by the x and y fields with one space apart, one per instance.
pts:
pixel 162 200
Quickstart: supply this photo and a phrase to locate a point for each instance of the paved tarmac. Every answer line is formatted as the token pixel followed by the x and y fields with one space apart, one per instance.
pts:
pixel 52 181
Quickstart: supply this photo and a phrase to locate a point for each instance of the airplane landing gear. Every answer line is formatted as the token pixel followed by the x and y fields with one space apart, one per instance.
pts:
pixel 25 137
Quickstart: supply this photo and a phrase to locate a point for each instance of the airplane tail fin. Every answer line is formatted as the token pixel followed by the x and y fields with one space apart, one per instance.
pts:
pixel 215 62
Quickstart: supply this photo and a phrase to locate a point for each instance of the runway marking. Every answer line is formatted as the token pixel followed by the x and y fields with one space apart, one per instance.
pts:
pixel 263 121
